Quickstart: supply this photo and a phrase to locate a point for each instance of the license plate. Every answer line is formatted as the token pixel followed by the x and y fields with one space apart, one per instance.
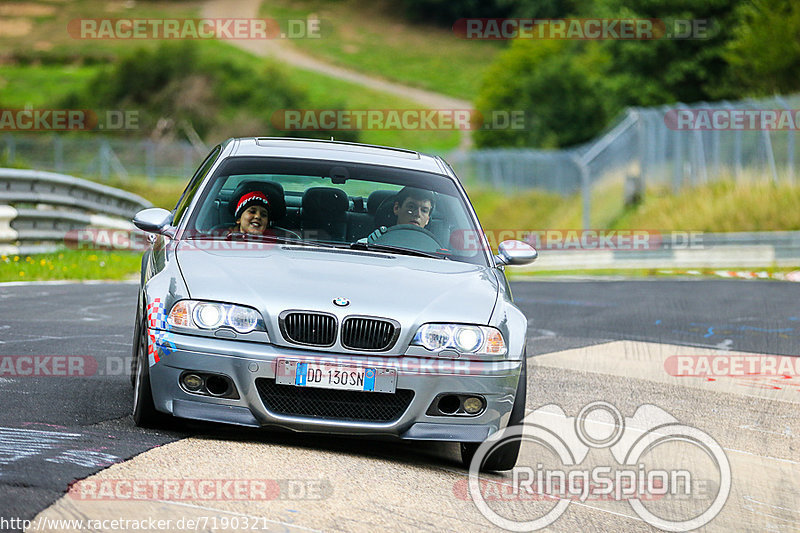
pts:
pixel 333 376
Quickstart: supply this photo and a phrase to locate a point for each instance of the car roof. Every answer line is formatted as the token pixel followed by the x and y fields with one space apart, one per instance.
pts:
pixel 337 151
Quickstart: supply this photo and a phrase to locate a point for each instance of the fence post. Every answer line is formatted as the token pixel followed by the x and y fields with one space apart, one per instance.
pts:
pixel 150 159
pixel 715 154
pixel 677 161
pixel 789 143
pixel 105 157
pixel 11 148
pixel 586 192
pixel 58 154
pixel 641 132
pixel 700 158
pixel 187 159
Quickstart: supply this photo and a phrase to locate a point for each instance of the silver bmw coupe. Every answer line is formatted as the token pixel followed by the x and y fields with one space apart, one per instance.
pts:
pixel 329 287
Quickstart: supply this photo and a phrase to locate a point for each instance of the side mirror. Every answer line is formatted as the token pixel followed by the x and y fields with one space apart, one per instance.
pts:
pixel 515 253
pixel 155 220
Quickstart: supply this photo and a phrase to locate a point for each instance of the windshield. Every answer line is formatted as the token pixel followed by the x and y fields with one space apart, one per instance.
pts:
pixel 337 204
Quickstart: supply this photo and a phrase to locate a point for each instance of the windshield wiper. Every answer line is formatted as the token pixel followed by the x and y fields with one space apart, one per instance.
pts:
pixel 395 249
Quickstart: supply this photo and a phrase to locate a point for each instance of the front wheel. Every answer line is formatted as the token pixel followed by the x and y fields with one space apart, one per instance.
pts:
pixel 504 456
pixel 145 414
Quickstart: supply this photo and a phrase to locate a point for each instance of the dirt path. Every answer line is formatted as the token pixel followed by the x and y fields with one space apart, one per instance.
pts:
pixel 282 51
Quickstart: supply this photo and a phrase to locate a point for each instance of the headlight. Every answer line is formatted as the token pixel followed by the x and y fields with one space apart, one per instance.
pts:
pixel 481 340
pixel 213 315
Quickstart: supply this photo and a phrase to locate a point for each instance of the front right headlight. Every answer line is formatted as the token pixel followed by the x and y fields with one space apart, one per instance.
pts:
pixel 464 338
pixel 214 315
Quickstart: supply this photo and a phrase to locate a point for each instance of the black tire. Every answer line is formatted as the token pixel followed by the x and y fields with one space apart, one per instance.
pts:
pixel 137 332
pixel 503 457
pixel 145 414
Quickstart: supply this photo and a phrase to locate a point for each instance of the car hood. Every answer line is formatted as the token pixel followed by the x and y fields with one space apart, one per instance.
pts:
pixel 274 278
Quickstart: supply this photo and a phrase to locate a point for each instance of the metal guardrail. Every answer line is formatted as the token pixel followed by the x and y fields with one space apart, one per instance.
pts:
pixel 711 250
pixel 38 209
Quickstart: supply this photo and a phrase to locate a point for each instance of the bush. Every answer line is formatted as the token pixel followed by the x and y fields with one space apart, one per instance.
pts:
pixel 564 99
pixel 446 12
pixel 569 90
pixel 191 83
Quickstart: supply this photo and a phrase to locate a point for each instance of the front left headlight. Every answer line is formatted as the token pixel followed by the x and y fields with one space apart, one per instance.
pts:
pixel 464 338
pixel 213 315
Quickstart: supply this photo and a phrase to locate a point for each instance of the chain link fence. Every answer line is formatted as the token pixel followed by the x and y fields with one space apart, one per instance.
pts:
pixel 101 158
pixel 670 146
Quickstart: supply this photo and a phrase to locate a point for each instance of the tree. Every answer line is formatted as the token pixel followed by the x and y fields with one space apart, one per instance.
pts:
pixel 764 53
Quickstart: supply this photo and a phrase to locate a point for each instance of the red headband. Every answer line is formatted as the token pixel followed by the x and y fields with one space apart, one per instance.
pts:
pixel 256 197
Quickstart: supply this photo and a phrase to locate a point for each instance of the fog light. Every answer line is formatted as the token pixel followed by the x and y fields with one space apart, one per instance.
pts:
pixel 473 405
pixel 192 382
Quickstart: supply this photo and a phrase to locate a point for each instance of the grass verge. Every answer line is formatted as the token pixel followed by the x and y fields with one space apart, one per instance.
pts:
pixel 372 37
pixel 70 265
pixel 769 273
pixel 45 85
pixel 718 207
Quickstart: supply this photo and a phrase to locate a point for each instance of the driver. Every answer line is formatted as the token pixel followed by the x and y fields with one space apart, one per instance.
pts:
pixel 411 206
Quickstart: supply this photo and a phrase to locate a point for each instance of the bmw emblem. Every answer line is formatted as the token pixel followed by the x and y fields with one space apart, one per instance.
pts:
pixel 341 302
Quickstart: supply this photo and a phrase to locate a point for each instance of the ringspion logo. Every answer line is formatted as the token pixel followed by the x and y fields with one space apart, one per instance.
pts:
pixel 653 458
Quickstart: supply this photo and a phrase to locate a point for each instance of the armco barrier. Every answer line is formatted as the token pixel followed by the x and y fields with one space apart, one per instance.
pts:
pixel 37 209
pixel 713 250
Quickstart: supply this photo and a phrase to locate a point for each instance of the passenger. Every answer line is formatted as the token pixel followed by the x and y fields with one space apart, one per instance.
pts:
pixel 252 214
pixel 411 206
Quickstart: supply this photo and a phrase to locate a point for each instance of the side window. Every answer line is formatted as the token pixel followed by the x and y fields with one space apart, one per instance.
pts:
pixel 197 179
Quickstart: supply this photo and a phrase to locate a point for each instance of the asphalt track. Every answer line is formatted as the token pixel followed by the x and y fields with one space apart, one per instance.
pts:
pixel 588 341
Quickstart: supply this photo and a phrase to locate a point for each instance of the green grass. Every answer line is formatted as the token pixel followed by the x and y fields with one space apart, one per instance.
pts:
pixel 323 92
pixel 717 207
pixel 41 86
pixel 49 34
pixel 162 193
pixel 373 37
pixel 70 265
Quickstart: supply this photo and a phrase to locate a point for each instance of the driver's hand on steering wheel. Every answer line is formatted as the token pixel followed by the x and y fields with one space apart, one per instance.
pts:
pixel 377 234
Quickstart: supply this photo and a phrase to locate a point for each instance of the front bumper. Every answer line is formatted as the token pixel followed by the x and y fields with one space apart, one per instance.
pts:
pixel 246 362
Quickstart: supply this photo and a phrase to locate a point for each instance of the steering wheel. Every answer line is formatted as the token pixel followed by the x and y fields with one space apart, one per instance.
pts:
pixel 410 236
